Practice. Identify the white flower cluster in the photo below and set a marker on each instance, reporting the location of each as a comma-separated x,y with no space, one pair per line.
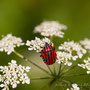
69,51
86,43
74,87
37,44
73,48
63,57
12,75
50,28
86,65
9,42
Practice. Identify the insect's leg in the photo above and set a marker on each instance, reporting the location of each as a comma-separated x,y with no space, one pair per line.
40,55
41,47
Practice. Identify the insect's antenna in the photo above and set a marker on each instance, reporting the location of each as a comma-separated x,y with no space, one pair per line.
51,44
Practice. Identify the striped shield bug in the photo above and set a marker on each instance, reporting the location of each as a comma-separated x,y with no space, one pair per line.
48,54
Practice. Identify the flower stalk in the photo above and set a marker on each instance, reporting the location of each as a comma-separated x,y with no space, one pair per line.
54,69
59,69
22,57
50,69
39,78
74,75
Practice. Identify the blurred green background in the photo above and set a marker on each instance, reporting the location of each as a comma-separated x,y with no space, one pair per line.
20,17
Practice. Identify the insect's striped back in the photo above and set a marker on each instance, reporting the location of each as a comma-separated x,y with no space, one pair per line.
49,54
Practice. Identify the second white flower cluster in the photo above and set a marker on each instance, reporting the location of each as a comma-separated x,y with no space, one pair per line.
13,74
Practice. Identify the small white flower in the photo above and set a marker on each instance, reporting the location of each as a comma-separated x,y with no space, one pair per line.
14,85
86,43
50,28
9,42
69,51
64,58
74,87
13,74
86,65
37,44
73,48
4,86
27,68
88,72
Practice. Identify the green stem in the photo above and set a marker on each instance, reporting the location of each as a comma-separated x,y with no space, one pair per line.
74,75
46,87
18,54
54,69
21,56
59,70
69,69
39,78
60,85
50,69
64,66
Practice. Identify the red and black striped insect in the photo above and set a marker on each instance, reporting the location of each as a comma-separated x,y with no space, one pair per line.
48,54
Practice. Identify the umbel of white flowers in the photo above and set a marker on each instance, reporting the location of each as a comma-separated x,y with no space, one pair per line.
86,43
86,65
74,87
13,74
37,44
50,28
65,55
9,42
69,51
